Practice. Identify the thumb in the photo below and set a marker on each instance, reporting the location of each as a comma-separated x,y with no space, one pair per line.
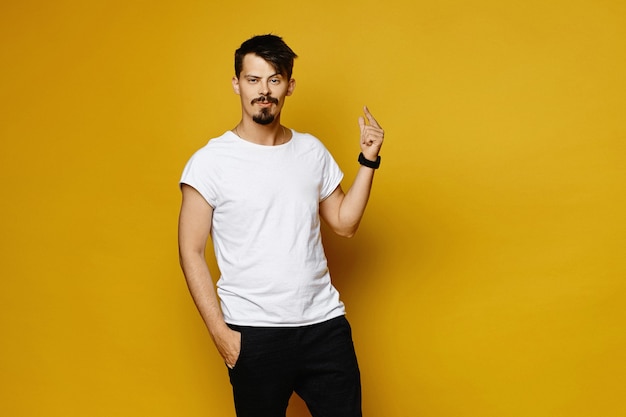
361,123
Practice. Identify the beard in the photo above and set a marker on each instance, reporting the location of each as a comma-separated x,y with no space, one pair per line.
264,117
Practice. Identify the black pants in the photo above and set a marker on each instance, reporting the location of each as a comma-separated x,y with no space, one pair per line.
318,362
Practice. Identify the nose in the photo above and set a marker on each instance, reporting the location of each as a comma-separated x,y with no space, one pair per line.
264,88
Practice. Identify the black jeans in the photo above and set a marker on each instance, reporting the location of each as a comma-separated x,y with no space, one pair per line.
318,362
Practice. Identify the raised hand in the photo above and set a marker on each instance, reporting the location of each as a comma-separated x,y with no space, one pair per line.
372,135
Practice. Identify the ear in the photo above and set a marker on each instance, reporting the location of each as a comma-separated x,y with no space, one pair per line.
292,86
235,82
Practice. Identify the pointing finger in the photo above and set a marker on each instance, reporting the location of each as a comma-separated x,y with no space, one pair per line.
370,118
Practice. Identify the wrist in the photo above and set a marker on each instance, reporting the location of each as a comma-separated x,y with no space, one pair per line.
370,163
218,328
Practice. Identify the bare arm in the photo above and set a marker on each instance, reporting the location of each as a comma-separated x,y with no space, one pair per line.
343,211
194,228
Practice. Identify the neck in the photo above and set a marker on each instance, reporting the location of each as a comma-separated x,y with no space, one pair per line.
272,134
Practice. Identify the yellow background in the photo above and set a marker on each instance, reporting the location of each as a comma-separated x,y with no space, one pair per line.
488,275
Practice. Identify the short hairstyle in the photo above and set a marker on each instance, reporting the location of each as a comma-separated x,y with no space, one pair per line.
272,49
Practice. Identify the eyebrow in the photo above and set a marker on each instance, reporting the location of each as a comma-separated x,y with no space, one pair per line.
278,74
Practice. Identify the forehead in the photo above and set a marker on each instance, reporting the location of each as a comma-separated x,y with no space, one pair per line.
255,65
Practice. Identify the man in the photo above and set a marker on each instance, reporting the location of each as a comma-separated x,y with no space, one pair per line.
259,191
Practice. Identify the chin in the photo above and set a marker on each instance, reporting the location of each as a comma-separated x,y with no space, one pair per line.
264,118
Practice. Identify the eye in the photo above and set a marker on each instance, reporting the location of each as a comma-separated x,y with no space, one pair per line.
252,80
275,81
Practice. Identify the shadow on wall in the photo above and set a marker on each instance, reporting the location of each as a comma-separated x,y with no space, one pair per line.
346,260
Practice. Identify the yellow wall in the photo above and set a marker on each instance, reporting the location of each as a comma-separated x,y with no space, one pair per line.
487,278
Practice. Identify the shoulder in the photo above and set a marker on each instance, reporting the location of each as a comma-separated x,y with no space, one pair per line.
307,140
215,145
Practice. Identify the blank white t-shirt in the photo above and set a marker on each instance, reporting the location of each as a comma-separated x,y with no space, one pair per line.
266,227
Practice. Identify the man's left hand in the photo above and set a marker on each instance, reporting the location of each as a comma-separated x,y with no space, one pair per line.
372,135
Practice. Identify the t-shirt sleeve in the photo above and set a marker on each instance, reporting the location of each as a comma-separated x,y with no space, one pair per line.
331,175
197,174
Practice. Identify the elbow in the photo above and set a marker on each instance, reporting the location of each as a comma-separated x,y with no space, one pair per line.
344,226
347,232
181,260
183,255
187,256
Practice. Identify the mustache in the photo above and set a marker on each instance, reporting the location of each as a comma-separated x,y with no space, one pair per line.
265,99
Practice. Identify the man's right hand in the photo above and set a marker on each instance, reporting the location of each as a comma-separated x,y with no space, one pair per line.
228,343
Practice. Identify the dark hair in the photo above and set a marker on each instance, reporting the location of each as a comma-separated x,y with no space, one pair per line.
271,48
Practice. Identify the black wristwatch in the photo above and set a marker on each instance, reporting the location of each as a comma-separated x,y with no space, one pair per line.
370,164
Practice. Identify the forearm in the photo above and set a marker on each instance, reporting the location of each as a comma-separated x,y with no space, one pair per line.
202,289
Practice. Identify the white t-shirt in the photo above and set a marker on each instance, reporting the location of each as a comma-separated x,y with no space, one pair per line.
266,227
